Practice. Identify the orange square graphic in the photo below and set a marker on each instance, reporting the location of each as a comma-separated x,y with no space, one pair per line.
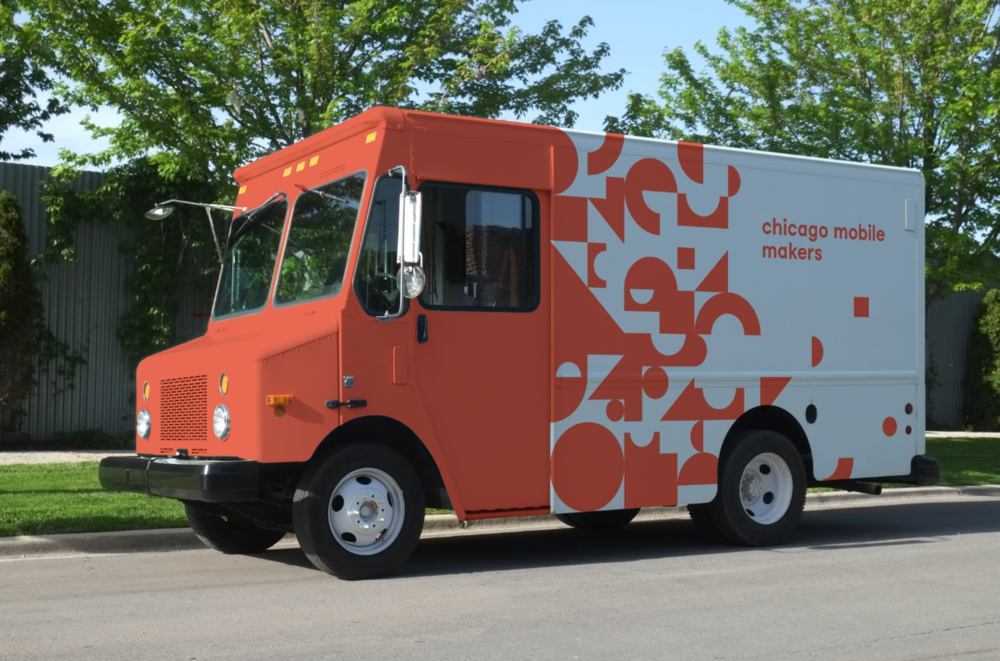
685,259
860,306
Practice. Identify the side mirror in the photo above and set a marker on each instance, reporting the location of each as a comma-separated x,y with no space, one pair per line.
410,211
411,274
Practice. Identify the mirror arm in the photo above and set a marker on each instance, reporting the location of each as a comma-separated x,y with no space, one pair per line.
208,212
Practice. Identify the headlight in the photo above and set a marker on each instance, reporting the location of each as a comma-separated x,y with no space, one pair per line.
220,421
143,423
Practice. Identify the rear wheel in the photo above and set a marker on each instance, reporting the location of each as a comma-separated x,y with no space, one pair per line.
762,489
604,521
358,513
228,531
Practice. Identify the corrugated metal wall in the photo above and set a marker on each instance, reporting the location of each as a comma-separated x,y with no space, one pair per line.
949,327
83,302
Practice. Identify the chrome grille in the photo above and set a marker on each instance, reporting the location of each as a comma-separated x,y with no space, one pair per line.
184,409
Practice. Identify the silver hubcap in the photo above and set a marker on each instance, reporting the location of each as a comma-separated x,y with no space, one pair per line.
366,511
766,488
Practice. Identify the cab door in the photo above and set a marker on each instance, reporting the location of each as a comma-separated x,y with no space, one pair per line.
481,361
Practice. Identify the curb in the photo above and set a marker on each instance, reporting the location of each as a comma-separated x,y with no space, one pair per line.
435,525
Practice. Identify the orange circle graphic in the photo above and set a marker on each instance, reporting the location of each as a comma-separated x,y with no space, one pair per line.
587,466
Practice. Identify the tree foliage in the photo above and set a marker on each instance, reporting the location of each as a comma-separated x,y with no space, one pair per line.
170,258
911,83
206,86
20,312
22,76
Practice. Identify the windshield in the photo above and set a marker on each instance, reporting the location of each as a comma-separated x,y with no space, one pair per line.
319,240
250,259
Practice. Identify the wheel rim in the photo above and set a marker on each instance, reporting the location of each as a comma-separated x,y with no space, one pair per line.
366,511
766,488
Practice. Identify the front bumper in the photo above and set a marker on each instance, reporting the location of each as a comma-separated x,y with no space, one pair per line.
206,480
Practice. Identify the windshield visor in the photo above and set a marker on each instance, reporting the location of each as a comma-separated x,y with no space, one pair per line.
319,241
250,259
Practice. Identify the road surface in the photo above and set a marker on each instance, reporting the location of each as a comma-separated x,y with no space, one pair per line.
908,581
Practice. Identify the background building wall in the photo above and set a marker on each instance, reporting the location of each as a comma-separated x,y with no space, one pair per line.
84,301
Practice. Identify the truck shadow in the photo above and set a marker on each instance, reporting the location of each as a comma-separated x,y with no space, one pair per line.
821,530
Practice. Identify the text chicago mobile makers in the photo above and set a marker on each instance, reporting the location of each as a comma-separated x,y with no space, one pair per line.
813,233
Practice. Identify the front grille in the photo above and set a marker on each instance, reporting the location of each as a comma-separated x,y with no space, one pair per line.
184,409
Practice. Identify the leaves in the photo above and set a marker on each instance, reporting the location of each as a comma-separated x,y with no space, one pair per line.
22,76
205,87
893,82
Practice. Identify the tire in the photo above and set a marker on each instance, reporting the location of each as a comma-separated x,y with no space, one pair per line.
229,532
359,512
606,521
762,490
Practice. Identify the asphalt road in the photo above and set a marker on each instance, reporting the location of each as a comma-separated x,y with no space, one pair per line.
903,581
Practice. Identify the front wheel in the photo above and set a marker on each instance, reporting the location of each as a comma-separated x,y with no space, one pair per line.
228,531
762,490
358,513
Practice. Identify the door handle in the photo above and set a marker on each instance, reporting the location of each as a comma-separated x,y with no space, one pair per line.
422,329
351,403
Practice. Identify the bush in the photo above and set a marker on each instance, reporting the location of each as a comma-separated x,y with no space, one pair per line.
981,401
20,313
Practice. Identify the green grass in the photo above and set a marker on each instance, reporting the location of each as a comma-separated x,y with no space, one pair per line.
966,461
57,498
43,499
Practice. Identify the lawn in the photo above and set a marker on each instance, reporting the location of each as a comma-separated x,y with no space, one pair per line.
42,499
966,461
56,498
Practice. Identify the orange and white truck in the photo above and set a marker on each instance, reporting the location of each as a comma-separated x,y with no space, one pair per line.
506,320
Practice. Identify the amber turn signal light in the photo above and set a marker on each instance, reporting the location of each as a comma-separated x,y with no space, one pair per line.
145,391
275,400
224,383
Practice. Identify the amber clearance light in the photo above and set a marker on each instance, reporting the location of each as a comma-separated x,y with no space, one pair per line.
276,400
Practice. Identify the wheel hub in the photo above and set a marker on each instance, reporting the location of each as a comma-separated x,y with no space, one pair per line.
365,511
766,488
368,512
752,487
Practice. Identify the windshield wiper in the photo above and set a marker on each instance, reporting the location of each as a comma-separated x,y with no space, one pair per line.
321,193
252,217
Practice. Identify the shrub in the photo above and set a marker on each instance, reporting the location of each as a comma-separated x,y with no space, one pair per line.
20,314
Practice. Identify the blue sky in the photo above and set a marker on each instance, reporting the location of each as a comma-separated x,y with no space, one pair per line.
638,31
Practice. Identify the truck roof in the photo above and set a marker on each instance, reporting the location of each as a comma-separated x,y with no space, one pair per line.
381,117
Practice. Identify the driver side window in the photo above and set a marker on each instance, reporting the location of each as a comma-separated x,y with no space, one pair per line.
375,279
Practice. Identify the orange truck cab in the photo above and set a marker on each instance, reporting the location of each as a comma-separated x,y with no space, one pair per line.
505,320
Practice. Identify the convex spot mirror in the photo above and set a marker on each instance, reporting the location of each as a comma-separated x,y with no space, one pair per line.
159,213
413,281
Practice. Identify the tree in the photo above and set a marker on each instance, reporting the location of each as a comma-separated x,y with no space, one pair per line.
21,76
894,82
206,86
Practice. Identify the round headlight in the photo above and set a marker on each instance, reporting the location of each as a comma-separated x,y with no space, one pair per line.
220,421
143,423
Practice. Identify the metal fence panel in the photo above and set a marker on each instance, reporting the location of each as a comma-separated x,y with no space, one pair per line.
83,302
949,328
